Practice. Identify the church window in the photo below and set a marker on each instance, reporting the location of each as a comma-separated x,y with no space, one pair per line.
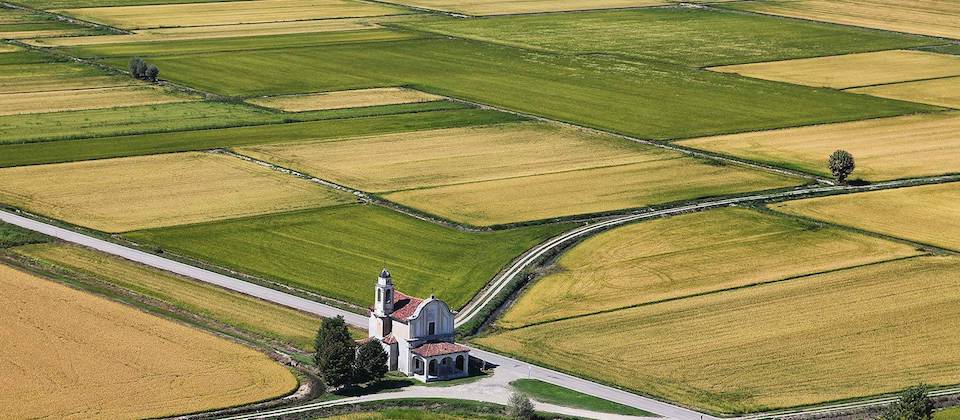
432,328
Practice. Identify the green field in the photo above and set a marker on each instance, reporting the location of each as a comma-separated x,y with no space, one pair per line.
652,100
552,394
173,117
107,147
686,36
948,414
23,57
338,251
11,236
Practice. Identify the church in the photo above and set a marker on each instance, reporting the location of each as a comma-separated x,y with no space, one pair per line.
417,334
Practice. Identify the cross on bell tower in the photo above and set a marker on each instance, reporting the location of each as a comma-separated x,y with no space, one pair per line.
384,305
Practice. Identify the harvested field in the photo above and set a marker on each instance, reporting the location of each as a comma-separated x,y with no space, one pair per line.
666,258
18,24
769,346
926,214
107,360
928,17
853,70
228,12
6,48
73,100
344,99
942,92
886,148
338,251
694,37
142,192
42,77
504,7
234,309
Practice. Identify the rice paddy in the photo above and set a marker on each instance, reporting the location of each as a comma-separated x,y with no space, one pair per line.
107,360
885,148
941,92
344,99
80,99
924,214
853,70
512,173
142,192
844,334
666,258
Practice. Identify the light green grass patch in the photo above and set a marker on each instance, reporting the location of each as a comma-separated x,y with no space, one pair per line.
552,394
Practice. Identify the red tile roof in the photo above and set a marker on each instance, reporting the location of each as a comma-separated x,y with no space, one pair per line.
439,349
390,339
403,306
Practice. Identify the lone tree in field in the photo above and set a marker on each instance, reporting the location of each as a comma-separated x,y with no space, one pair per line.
371,363
841,165
914,404
336,352
521,407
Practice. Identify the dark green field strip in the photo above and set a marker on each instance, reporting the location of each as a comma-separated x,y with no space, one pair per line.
656,101
943,49
694,37
165,118
11,236
108,147
22,57
338,251
251,43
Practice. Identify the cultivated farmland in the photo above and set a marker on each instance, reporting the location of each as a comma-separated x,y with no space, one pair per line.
73,100
338,251
885,148
929,17
688,255
924,214
28,78
111,361
485,176
852,70
344,99
234,309
17,24
503,7
229,12
769,346
942,92
142,192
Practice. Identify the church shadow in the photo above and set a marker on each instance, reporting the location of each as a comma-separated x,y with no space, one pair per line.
383,385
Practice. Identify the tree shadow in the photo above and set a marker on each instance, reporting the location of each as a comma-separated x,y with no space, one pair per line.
383,385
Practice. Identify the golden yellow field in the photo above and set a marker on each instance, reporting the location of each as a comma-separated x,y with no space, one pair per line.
687,255
513,172
56,76
850,333
853,70
117,195
72,100
943,92
886,148
68,354
234,309
928,17
926,214
344,99
228,12
504,7
5,48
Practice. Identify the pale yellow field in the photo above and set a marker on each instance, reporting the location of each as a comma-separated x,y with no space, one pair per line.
344,99
5,48
687,255
68,354
229,12
503,7
72,100
853,70
926,214
928,17
234,309
211,32
513,172
943,92
851,333
885,148
117,195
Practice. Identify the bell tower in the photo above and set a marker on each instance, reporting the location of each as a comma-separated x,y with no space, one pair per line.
384,302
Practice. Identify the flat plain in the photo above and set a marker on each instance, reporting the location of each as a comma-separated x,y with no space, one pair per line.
44,77
769,346
941,92
509,7
345,99
924,214
666,258
141,192
853,70
233,309
884,148
928,17
110,361
486,175
81,99
338,251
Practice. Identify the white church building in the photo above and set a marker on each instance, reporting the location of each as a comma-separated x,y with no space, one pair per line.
417,334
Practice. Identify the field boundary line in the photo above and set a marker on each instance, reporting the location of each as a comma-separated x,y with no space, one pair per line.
955,76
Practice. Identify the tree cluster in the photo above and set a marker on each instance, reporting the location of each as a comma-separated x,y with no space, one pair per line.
341,362
141,70
913,404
